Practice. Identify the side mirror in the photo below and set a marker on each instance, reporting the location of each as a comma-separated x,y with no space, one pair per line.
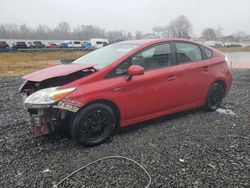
135,70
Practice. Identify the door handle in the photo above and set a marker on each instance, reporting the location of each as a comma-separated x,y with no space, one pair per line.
206,69
171,78
118,89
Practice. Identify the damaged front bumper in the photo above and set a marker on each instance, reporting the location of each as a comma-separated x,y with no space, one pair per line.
42,123
46,120
48,108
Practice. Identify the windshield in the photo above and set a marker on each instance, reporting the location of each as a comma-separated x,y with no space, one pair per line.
106,55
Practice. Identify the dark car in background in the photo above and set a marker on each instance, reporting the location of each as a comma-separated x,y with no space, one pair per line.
19,45
3,44
38,44
63,45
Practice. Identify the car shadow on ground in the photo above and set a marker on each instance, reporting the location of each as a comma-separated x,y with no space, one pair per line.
61,136
158,120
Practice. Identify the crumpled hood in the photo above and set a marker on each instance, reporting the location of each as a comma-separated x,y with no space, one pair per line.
55,71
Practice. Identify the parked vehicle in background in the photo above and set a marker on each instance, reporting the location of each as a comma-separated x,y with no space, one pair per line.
112,41
86,45
99,43
77,44
30,44
224,44
38,44
63,45
4,44
70,44
52,45
123,84
19,45
235,45
215,44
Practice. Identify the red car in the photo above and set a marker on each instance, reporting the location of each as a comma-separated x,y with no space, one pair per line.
3,44
125,83
52,45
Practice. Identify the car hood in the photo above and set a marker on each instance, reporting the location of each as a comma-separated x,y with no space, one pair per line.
55,71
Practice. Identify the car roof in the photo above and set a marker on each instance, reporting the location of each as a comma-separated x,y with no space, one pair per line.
154,41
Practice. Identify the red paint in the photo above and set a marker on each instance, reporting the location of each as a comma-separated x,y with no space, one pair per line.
55,71
155,93
135,70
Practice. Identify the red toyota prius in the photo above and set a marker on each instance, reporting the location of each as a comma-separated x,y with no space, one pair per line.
125,83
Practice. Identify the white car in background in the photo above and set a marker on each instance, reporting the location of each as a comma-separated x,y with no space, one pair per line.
74,44
99,43
77,44
216,44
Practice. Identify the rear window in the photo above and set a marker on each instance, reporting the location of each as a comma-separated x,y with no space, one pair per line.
76,42
98,42
37,42
187,52
208,53
21,43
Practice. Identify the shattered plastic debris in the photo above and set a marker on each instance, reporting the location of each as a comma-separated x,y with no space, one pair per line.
46,171
225,111
181,160
211,166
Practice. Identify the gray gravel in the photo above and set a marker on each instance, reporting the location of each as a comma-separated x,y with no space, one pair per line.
188,149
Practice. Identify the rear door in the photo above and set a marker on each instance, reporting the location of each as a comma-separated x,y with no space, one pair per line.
193,73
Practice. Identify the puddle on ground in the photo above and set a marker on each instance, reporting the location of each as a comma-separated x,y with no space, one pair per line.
225,111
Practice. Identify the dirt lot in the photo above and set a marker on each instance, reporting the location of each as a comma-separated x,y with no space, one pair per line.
13,64
189,149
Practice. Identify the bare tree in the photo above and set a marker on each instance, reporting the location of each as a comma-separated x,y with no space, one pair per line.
129,36
62,31
179,28
138,35
208,34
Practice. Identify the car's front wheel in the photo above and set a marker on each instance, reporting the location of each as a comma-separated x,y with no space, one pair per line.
93,125
214,97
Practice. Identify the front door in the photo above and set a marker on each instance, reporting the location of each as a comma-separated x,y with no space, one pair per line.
152,92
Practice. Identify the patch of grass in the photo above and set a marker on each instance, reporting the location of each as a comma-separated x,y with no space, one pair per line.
13,64
238,49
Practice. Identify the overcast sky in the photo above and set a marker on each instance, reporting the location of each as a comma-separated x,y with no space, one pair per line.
129,15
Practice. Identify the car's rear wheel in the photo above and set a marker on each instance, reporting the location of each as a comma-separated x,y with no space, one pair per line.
214,97
93,125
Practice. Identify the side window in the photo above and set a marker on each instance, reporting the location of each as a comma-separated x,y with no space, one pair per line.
120,70
154,57
187,52
207,52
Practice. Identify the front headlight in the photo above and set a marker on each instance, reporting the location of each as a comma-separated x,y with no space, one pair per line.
44,98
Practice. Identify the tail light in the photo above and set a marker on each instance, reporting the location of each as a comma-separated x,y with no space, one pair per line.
229,63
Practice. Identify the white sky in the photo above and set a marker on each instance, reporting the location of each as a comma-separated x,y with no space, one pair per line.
129,15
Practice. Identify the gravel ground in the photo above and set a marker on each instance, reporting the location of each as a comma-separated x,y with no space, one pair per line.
188,149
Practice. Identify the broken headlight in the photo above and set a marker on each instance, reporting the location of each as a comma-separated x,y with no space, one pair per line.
44,98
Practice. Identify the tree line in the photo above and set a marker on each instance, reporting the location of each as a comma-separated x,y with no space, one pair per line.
179,27
62,31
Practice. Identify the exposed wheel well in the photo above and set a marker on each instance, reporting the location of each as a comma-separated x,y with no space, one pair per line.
109,103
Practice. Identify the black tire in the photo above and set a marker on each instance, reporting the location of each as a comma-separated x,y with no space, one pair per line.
214,97
93,125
